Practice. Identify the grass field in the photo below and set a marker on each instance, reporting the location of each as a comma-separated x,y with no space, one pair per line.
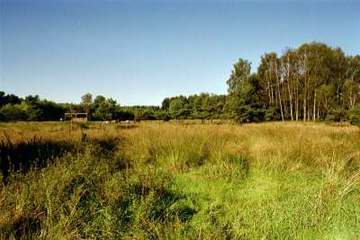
184,180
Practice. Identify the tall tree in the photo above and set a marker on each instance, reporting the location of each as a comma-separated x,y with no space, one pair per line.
239,74
86,102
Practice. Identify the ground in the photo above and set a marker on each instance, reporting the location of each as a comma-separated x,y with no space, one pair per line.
179,180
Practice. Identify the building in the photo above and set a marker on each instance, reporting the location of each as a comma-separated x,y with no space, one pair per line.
76,117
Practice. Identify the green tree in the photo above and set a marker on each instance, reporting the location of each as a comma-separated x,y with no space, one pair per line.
165,104
105,109
178,108
98,100
8,99
13,112
248,107
240,73
237,87
86,102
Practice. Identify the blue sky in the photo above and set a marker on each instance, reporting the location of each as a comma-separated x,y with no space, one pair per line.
139,52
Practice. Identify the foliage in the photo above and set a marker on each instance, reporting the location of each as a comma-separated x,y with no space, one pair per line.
13,112
354,115
32,109
105,109
8,99
310,83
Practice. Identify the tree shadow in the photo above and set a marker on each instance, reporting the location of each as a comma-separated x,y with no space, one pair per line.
33,153
21,228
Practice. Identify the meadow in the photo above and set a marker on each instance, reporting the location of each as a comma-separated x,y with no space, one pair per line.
179,180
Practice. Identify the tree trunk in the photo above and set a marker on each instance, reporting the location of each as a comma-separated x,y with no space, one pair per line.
304,105
314,112
290,102
279,94
297,101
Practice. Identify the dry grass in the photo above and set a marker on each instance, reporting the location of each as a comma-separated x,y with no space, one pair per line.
181,180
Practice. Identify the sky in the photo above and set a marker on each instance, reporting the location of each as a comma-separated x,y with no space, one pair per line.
139,52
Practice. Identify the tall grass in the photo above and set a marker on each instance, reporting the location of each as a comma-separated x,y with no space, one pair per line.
183,181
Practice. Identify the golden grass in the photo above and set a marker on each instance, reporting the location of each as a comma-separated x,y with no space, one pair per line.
186,180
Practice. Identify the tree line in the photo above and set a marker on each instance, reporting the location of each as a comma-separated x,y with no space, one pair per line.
310,83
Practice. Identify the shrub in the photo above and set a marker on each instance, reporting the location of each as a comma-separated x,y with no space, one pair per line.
336,114
354,115
272,114
247,113
13,112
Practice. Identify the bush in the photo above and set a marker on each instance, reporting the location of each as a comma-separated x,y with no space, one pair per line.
162,115
272,114
336,114
13,112
354,115
123,115
2,117
247,113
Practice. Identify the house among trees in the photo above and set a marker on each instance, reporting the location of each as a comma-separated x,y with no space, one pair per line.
76,117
